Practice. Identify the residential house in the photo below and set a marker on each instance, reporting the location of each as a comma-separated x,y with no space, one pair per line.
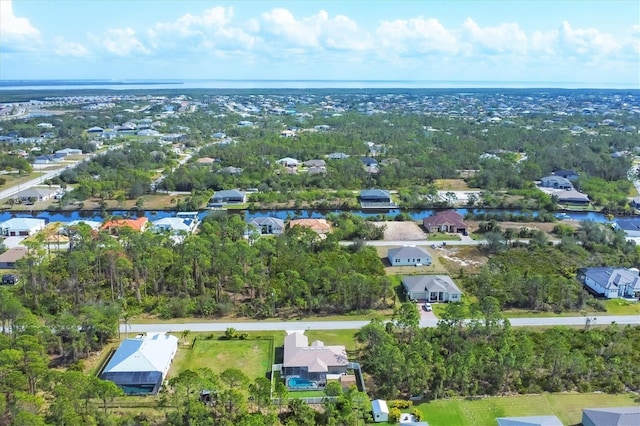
114,226
635,202
174,225
408,256
612,416
315,163
556,182
376,198
9,259
288,162
229,196
369,162
68,151
611,282
141,364
380,410
219,135
35,194
21,226
529,421
631,227
337,156
431,288
95,130
310,366
319,226
445,221
46,159
566,174
267,225
231,170
205,161
571,196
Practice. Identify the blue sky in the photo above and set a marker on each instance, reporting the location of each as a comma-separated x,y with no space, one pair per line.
593,42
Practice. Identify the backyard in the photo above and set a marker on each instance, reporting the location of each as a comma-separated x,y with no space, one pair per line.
568,407
253,356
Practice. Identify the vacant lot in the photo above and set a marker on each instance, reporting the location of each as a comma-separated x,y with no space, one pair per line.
568,407
254,357
402,231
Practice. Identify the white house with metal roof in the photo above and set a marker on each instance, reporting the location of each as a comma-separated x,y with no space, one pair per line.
21,226
140,364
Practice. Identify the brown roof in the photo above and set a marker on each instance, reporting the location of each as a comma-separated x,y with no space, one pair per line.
317,357
321,226
447,217
13,254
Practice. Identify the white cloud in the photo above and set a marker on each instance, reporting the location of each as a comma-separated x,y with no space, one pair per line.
416,36
583,42
504,38
318,31
123,42
17,34
210,31
62,47
11,25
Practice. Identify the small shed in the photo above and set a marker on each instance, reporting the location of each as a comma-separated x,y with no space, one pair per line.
380,410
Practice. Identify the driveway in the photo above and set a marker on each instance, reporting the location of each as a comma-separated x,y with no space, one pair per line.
424,315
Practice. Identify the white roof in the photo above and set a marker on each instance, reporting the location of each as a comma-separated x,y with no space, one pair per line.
150,353
22,223
379,406
529,421
175,223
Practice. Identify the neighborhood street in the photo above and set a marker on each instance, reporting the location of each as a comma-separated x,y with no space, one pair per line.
353,325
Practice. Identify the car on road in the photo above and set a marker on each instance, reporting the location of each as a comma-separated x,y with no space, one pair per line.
427,307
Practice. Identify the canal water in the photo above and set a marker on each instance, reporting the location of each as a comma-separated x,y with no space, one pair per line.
417,215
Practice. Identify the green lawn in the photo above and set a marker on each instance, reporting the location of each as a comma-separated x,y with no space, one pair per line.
568,407
622,307
253,357
443,237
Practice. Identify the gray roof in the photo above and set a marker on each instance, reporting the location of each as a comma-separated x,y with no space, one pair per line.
571,195
375,193
228,193
408,252
35,193
415,283
529,421
615,416
261,221
558,180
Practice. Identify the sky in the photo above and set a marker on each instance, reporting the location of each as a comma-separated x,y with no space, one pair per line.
592,42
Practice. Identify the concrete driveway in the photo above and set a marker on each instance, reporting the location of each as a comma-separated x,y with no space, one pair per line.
424,315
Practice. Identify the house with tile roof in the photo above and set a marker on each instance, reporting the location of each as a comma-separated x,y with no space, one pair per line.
114,226
310,366
445,221
320,226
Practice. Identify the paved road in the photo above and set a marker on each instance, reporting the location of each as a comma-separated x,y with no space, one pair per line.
353,325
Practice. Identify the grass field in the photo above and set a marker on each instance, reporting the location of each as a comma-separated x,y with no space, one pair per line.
452,184
253,357
568,408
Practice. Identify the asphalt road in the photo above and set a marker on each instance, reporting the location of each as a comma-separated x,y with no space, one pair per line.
353,325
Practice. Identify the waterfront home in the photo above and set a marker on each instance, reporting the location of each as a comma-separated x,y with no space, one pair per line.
445,221
266,225
319,226
114,226
229,196
21,227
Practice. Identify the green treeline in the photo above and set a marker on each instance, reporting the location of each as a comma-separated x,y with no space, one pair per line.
488,357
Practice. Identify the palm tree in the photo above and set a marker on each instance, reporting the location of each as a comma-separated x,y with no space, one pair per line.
185,335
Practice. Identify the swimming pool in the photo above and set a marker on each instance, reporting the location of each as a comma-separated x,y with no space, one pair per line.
300,383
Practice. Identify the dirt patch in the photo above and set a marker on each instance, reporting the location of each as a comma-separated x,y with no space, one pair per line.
472,225
402,231
467,257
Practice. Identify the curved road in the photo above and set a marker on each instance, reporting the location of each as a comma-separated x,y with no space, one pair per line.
354,325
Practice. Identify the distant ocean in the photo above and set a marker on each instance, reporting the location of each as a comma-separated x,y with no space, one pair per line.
297,84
